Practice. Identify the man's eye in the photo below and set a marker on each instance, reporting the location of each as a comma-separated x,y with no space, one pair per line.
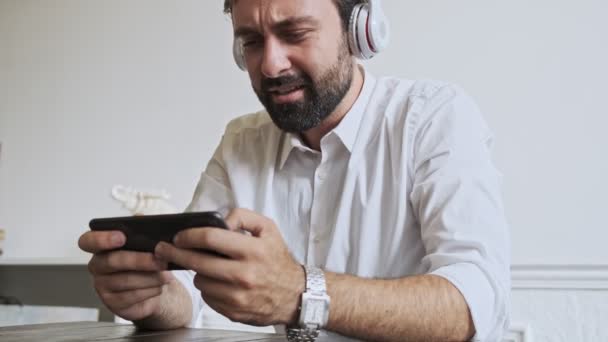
295,36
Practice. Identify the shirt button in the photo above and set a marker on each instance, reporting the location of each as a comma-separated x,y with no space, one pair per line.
316,239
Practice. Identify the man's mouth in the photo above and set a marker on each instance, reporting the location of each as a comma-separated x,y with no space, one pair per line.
286,93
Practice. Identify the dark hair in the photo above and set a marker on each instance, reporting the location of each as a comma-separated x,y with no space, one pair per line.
345,8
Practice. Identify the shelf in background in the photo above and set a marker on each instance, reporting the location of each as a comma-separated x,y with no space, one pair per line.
75,261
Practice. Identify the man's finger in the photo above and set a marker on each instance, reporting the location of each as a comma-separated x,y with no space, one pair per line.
213,288
217,294
248,220
200,262
96,242
140,310
126,299
229,243
127,281
221,290
120,261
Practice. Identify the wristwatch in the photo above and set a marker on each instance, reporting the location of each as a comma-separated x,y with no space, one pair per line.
314,311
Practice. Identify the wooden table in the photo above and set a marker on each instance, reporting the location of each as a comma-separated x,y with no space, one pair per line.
103,331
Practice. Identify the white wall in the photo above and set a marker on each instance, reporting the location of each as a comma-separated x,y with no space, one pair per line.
97,93
538,71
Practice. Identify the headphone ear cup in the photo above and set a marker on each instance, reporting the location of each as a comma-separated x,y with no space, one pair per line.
239,56
353,42
378,28
358,40
363,34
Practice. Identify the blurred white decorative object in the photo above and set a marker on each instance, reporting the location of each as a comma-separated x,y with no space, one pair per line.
155,202
19,315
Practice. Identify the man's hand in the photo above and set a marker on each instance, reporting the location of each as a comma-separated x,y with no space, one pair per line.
257,283
130,284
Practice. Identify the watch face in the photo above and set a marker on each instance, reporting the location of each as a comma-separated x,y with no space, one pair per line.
315,311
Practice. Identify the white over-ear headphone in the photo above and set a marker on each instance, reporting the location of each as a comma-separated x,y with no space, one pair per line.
239,54
368,33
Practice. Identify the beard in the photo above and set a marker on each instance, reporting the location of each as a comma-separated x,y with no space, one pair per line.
320,97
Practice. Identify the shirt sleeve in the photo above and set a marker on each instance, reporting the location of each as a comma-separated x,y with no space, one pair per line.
213,193
456,195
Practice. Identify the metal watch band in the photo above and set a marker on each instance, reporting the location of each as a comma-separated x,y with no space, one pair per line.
316,292
315,280
302,335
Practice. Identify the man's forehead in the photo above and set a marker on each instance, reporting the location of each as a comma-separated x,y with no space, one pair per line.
252,13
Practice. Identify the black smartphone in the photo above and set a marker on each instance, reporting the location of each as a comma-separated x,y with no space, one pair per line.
144,232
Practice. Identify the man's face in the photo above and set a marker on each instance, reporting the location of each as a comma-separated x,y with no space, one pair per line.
297,58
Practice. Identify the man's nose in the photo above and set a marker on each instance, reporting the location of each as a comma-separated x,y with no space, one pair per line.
275,60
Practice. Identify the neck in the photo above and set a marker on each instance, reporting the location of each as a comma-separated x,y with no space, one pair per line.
313,136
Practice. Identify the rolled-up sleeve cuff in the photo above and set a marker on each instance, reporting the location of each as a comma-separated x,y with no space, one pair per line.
486,302
186,278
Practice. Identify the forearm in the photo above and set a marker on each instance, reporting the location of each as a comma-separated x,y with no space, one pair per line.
417,308
175,309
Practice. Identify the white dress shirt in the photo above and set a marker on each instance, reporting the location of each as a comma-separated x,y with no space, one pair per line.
403,186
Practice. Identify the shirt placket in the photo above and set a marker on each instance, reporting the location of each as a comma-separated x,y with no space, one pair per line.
318,211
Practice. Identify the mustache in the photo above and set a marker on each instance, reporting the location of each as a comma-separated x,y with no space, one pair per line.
288,80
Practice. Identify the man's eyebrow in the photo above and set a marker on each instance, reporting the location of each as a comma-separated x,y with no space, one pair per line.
295,21
281,25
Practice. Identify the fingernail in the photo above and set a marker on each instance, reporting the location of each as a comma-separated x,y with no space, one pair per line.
176,239
117,239
159,249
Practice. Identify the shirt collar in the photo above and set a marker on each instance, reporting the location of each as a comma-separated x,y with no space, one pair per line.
290,142
346,130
